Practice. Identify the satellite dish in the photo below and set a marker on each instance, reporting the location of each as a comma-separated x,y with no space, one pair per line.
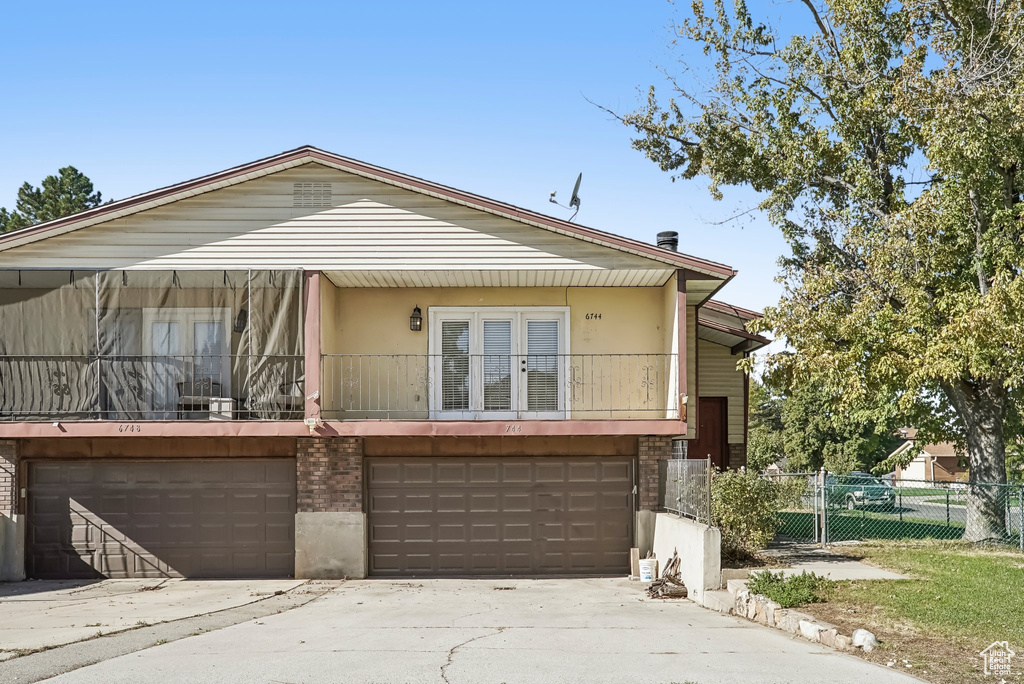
574,203
575,200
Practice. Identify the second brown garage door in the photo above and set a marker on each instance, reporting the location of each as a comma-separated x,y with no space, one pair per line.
177,518
499,516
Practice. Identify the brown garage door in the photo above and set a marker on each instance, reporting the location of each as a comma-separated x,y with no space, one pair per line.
499,516
183,518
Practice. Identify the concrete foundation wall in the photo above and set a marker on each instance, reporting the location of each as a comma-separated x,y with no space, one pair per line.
12,548
330,545
700,552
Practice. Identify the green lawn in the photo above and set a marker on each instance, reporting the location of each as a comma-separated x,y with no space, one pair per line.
958,590
958,600
862,524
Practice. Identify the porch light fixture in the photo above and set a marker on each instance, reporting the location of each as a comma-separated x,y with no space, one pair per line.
416,320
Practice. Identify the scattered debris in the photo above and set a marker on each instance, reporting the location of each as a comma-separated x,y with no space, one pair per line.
503,588
670,584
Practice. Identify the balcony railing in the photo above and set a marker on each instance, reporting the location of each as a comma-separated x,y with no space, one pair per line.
498,386
158,387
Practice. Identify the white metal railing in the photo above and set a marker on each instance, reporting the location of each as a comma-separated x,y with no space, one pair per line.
497,386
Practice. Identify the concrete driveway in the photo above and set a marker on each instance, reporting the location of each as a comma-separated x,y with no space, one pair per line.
462,631
44,614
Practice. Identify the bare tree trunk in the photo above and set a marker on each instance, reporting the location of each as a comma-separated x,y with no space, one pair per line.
982,408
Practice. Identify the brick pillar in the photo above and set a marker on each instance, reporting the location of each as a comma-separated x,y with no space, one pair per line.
653,450
737,456
329,476
8,477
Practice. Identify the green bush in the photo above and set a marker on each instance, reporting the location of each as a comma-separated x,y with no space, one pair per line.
745,508
791,591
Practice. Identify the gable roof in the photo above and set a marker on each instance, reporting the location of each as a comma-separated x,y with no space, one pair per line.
308,154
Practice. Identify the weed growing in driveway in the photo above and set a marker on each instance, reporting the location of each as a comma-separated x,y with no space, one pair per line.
791,591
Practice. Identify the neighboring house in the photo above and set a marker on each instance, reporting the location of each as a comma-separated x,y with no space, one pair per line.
935,462
311,366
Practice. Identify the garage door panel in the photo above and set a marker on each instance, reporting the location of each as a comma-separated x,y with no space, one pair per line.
512,473
190,518
523,516
616,472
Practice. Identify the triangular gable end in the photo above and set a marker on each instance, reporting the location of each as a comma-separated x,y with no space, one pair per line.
311,211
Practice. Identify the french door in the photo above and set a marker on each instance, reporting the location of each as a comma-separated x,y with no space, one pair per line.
187,350
498,362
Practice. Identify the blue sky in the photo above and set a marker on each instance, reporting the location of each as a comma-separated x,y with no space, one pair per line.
486,97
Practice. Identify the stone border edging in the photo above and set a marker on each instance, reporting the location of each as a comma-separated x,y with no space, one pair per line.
762,610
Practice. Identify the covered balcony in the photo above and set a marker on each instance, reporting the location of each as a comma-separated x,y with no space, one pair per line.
151,345
461,386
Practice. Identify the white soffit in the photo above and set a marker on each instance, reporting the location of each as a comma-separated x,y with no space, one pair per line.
469,277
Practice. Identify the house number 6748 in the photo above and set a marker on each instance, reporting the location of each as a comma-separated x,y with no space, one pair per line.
129,427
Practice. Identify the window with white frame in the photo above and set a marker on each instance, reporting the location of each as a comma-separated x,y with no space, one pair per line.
498,362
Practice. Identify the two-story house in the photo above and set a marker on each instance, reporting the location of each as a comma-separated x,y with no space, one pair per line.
311,366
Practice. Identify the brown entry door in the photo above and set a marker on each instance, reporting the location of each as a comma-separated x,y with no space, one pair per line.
499,516
180,518
712,439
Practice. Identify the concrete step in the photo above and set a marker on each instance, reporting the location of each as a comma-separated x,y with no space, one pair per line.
718,600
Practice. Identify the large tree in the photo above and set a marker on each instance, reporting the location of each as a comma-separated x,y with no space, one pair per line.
798,423
887,141
69,192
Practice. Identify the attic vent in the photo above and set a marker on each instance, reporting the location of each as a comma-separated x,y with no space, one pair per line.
311,195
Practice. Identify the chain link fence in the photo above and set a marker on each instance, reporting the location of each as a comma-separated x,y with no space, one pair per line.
688,488
827,508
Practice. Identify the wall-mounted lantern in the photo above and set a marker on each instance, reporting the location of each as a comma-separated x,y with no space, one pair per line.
416,320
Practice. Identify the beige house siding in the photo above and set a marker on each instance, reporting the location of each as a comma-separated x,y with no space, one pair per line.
376,321
369,230
718,377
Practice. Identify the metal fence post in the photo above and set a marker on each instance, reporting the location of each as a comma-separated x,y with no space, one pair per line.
814,517
1020,515
824,508
708,509
901,503
947,507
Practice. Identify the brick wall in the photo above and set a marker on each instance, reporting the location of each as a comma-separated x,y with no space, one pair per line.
653,451
8,476
329,475
737,456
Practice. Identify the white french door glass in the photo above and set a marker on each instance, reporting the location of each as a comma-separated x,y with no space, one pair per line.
188,350
455,376
165,348
209,345
543,366
497,363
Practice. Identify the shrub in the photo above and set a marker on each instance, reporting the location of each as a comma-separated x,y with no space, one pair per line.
745,508
791,591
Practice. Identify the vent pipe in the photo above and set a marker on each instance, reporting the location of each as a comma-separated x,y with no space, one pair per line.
669,240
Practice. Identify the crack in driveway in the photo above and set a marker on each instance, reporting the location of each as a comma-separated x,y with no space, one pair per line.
451,651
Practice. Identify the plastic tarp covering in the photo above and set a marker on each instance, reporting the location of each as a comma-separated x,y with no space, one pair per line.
151,345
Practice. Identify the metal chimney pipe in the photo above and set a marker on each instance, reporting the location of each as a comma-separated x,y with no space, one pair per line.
669,239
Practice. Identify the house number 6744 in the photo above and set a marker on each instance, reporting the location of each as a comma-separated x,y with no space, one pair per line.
593,316
513,428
